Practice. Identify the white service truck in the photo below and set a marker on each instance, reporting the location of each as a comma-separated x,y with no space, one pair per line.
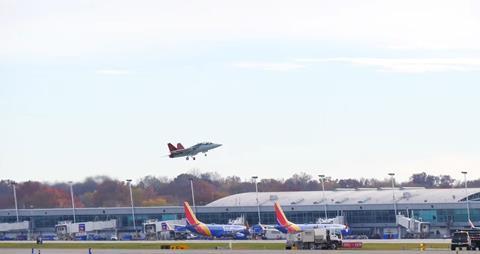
314,239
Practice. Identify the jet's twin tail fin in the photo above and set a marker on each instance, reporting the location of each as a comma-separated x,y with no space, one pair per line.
171,147
191,218
180,146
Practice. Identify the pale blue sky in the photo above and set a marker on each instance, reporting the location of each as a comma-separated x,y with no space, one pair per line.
343,88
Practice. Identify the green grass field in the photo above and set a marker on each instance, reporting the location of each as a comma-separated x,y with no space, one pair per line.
133,245
207,245
403,246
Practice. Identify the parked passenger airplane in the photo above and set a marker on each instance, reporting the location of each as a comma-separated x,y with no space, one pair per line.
285,226
180,151
212,230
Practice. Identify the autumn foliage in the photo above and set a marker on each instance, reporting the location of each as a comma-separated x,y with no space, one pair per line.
102,191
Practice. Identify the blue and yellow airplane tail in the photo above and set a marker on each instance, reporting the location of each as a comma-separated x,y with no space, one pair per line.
192,220
283,221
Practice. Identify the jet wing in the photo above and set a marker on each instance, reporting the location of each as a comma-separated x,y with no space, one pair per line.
185,152
193,150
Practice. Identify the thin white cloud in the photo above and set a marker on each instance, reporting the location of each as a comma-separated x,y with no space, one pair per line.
59,28
113,72
269,66
405,65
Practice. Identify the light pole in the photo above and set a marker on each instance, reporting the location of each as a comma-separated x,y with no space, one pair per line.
466,196
393,192
322,178
73,203
258,204
15,198
193,195
129,181
392,175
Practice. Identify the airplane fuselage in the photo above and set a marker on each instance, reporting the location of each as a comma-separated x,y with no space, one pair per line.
286,226
212,230
193,150
218,230
296,228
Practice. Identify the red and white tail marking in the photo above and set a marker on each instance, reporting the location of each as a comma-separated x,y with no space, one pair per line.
180,146
171,147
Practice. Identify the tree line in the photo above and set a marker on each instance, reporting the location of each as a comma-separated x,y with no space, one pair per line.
104,191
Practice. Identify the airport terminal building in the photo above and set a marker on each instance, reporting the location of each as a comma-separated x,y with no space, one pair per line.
369,212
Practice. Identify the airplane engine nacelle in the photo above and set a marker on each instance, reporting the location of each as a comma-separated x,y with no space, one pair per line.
239,235
346,231
258,229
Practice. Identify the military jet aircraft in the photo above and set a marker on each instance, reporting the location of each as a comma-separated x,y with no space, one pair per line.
180,151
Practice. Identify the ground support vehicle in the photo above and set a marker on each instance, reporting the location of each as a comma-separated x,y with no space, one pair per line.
314,239
468,239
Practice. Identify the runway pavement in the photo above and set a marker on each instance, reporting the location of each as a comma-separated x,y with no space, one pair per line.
85,251
243,241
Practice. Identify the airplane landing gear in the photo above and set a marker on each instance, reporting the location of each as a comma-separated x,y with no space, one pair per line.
193,158
205,154
187,158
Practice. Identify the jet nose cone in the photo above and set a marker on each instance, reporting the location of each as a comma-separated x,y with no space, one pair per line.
218,145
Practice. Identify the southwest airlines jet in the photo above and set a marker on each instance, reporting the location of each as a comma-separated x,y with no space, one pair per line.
285,226
212,230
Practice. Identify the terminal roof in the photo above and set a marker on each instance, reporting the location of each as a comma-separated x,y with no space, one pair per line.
350,197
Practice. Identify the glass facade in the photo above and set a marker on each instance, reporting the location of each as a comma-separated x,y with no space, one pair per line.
122,220
266,217
446,215
370,216
360,217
